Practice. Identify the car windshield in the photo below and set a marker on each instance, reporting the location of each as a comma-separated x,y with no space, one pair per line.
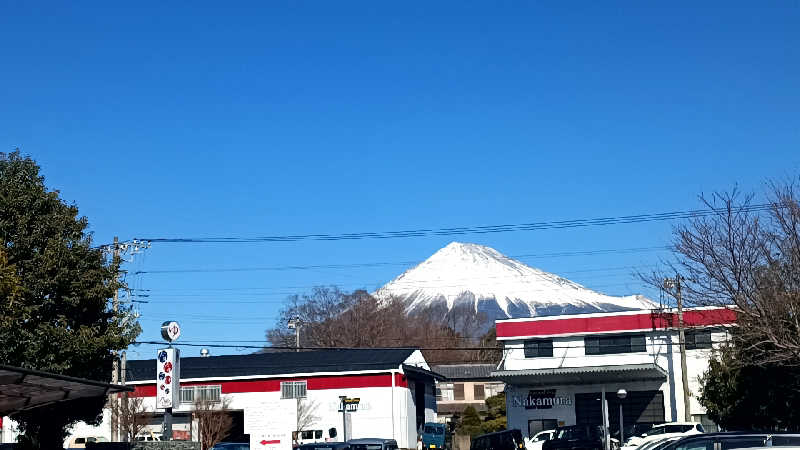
433,430
664,443
577,432
677,428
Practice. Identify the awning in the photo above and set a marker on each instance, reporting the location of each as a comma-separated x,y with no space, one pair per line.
23,389
583,375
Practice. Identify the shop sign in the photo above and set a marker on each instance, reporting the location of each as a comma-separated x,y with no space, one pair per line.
540,399
168,376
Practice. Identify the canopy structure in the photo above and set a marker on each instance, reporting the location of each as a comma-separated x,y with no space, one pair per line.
583,375
24,389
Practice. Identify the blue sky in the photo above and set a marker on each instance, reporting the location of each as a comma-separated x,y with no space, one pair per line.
272,118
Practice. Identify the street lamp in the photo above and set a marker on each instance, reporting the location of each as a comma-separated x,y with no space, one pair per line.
294,324
621,394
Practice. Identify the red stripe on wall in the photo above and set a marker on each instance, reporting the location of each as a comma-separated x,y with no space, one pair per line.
274,384
603,324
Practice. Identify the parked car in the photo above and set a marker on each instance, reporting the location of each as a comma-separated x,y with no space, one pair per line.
733,440
672,428
662,441
433,435
659,445
325,446
372,444
501,440
576,437
536,441
81,441
231,446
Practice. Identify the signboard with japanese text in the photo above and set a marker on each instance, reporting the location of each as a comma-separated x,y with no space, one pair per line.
270,425
168,384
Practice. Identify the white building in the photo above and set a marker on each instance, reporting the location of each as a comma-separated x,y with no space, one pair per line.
555,368
395,388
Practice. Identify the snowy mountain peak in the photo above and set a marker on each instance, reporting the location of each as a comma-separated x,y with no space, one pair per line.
498,286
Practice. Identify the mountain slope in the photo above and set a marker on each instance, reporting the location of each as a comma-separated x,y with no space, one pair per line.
463,274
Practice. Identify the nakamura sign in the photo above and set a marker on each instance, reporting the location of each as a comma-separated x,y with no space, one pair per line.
168,383
540,399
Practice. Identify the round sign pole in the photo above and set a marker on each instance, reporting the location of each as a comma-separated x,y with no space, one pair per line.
171,331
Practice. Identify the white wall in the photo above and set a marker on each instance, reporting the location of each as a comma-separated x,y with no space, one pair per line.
662,349
374,417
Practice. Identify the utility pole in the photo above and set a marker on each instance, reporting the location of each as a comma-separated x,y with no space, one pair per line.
124,409
117,249
115,435
676,283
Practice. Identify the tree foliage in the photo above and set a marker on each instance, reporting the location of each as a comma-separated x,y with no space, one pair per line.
214,421
54,310
745,255
332,318
131,413
753,397
470,422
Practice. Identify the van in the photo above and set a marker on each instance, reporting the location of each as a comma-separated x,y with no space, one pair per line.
433,435
501,440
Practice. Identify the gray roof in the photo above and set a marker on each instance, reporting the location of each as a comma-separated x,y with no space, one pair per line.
465,371
278,363
584,375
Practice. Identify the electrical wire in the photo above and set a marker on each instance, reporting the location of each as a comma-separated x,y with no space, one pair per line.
394,263
484,229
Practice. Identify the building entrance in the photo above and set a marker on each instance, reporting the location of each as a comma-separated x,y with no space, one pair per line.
639,409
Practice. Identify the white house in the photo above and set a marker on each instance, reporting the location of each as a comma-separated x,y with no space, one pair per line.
395,388
555,368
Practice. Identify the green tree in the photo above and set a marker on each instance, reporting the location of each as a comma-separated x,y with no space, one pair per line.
495,414
54,311
470,422
750,397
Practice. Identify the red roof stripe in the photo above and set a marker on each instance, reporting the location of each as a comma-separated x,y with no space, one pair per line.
274,384
620,322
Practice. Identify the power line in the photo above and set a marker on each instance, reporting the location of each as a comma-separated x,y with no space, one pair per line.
433,348
485,229
395,263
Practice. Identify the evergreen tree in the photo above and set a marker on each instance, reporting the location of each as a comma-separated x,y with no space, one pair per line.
54,310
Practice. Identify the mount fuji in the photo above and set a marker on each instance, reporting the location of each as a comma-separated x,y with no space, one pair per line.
471,275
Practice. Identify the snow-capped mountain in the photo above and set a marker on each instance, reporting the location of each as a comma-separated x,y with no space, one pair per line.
463,274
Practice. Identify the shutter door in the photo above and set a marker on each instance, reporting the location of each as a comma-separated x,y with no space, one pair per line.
638,407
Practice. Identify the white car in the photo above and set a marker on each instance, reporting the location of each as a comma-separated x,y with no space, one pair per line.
660,442
538,439
665,430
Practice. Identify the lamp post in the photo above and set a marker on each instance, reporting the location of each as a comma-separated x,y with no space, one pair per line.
621,394
294,324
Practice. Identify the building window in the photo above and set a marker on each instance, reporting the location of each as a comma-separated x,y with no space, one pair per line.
444,392
606,345
210,393
478,392
293,389
697,339
458,391
539,348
